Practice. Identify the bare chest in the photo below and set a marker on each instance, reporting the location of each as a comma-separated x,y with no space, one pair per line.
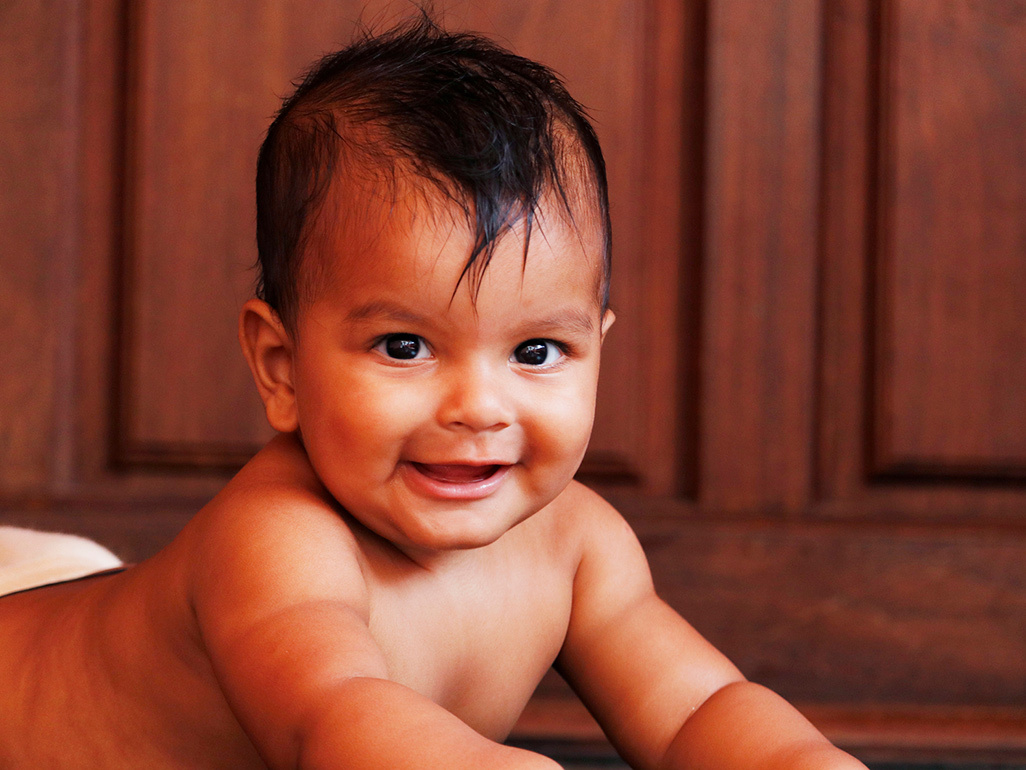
477,646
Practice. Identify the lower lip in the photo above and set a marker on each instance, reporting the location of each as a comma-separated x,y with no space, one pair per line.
452,490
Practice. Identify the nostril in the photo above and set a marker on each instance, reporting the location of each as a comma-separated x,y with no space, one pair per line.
478,424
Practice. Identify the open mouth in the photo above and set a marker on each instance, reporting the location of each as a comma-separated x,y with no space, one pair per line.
456,481
457,474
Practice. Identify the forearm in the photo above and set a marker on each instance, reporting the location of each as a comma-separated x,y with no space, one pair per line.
372,723
746,726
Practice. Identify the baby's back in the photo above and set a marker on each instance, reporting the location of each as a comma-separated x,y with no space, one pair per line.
110,672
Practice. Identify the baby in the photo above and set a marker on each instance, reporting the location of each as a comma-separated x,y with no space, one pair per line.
386,582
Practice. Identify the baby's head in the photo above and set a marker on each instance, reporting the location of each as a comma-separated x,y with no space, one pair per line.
434,245
490,131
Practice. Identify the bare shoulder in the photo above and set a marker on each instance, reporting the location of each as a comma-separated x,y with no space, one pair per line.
273,537
579,507
278,591
597,530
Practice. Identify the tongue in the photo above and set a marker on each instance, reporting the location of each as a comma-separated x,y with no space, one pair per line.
457,474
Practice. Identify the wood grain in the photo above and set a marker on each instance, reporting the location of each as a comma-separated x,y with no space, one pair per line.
759,274
38,236
951,336
866,360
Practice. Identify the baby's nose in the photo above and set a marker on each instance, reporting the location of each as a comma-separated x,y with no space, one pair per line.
477,399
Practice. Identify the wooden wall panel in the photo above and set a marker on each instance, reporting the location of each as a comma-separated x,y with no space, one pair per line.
606,68
900,643
766,160
198,104
895,438
39,70
760,250
951,340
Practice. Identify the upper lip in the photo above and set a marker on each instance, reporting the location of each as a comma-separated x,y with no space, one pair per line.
470,463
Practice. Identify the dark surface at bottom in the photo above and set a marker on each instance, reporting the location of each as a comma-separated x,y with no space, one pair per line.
616,764
596,755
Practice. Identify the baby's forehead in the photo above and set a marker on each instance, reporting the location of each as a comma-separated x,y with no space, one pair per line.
380,183
397,204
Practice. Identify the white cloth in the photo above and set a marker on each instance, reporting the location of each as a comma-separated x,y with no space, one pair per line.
29,558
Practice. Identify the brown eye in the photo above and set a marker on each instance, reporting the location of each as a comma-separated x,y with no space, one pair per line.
537,353
403,347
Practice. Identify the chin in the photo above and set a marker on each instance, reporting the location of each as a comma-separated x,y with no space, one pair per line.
466,533
462,540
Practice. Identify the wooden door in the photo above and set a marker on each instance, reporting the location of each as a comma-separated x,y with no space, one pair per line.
812,402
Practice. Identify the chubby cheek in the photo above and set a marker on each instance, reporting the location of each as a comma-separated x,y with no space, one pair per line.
559,432
377,420
346,422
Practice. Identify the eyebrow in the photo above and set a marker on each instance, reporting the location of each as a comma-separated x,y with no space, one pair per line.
383,309
570,319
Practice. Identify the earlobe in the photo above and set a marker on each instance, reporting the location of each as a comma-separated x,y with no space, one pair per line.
607,320
269,352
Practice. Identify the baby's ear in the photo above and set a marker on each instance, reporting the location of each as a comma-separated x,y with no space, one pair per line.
607,320
268,349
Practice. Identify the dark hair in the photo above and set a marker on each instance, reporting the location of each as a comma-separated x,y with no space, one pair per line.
493,131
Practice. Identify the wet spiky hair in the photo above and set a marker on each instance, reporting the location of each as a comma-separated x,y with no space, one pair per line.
493,131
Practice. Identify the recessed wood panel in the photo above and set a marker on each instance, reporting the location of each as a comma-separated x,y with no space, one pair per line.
951,322
866,467
758,287
199,101
38,235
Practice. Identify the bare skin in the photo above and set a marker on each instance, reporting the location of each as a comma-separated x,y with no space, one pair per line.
386,582
152,690
137,664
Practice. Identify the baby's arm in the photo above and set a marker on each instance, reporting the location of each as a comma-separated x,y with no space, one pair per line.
665,696
283,613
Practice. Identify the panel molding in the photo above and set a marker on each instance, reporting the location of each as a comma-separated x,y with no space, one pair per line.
890,462
646,456
857,470
129,452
